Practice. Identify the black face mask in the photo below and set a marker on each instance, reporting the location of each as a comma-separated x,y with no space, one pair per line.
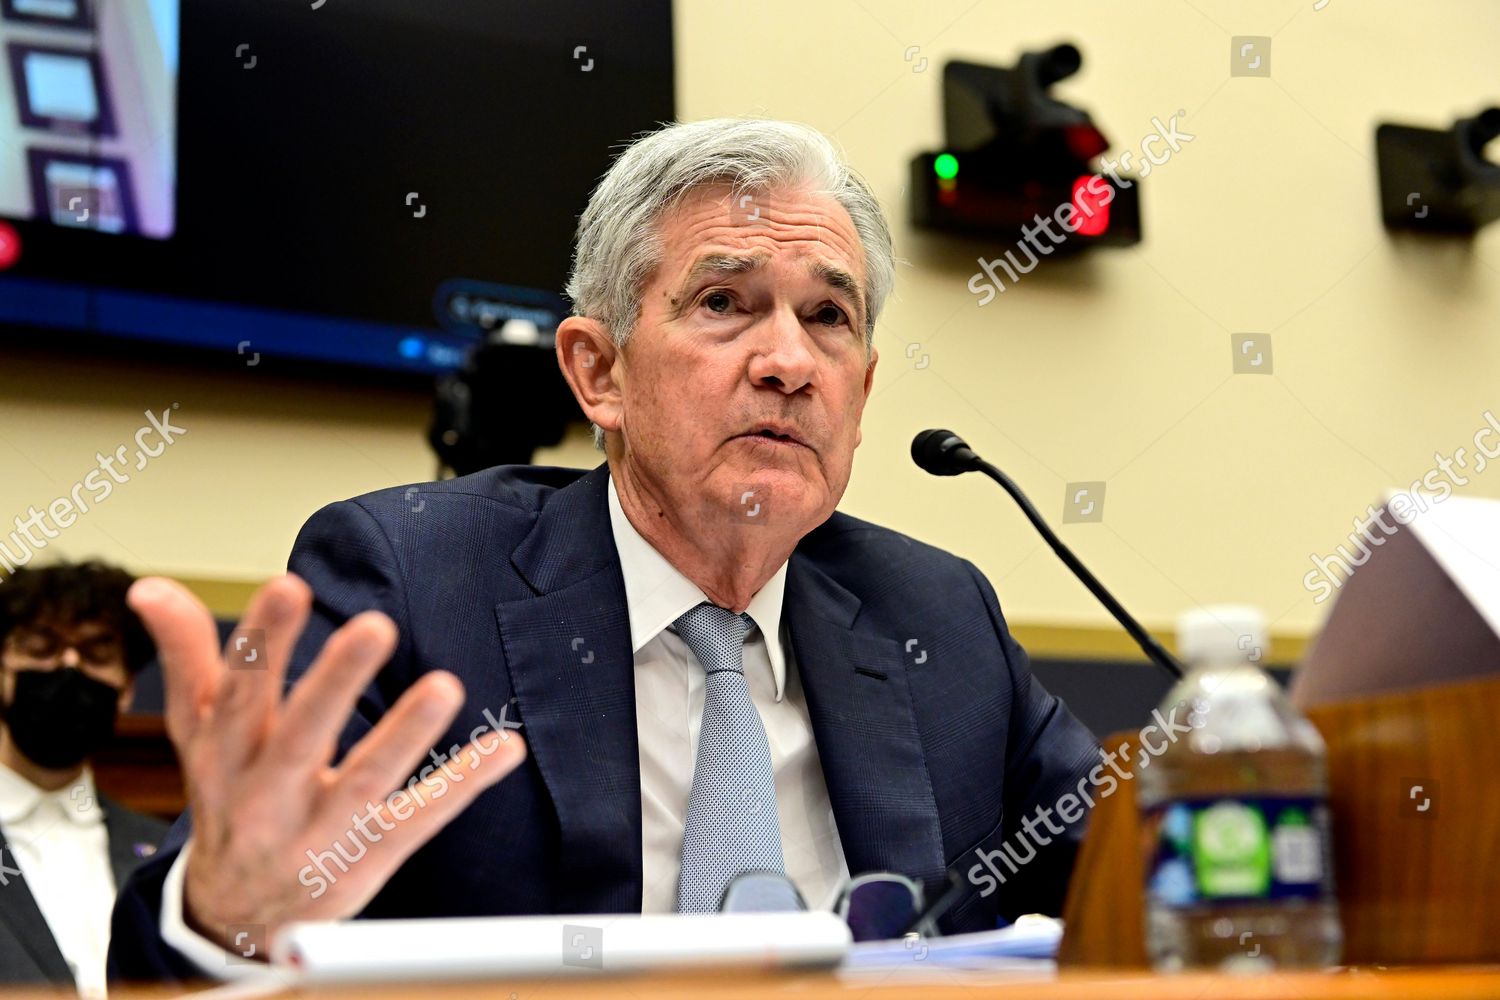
57,718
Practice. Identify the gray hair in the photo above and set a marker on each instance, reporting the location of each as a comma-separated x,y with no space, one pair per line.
618,243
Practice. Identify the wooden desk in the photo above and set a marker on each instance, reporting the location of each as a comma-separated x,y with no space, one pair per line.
1447,984
1437,983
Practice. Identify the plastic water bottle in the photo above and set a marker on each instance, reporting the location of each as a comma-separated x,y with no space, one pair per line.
1239,867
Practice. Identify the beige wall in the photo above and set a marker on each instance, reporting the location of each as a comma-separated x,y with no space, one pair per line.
1112,367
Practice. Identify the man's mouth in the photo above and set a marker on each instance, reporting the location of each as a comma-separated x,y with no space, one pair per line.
774,436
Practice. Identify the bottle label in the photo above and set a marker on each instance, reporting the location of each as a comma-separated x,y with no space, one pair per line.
1240,849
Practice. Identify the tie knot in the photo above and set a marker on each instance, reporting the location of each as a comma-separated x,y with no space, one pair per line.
715,635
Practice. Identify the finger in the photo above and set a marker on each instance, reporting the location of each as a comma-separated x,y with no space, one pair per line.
411,816
257,655
187,645
474,768
448,790
391,752
319,706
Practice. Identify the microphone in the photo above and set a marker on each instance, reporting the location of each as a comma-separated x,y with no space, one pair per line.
944,453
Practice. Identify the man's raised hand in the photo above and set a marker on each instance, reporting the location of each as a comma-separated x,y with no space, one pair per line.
264,793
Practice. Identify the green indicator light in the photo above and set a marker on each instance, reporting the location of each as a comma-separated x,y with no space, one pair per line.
946,166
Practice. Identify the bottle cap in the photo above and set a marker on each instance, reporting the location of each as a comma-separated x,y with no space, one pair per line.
1222,633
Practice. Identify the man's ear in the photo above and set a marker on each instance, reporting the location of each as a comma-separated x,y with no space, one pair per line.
594,368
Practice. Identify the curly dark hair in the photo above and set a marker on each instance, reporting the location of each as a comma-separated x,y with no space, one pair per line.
71,594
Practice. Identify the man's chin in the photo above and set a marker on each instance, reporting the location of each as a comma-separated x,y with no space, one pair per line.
786,497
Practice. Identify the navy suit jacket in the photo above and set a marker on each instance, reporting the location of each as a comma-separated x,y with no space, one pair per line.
935,741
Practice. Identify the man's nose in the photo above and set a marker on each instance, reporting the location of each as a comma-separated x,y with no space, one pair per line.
69,657
784,359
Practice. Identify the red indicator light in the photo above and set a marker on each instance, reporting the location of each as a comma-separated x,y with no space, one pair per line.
10,245
1091,204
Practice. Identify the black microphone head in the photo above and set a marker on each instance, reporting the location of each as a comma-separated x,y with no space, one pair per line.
942,453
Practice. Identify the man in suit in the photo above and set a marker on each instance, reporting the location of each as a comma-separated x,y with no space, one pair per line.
683,664
69,652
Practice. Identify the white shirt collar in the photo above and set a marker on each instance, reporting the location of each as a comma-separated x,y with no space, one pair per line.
77,800
657,593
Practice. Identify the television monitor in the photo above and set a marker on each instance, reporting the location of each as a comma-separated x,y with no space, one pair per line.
372,185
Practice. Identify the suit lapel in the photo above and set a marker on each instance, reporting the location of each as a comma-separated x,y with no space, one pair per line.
19,913
573,676
866,730
131,840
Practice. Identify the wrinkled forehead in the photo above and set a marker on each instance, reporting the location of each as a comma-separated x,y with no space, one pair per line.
800,217
716,230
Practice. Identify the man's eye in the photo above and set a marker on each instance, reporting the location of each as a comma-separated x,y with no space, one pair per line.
712,297
831,315
104,651
37,644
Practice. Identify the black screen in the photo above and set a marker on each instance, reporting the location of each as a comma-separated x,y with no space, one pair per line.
366,182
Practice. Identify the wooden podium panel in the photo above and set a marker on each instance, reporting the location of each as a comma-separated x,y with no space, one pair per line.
1104,919
1415,798
1415,883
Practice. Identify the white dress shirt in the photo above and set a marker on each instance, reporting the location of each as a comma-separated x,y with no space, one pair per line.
60,843
669,685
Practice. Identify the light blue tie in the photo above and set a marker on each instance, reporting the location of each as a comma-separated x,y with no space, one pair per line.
731,823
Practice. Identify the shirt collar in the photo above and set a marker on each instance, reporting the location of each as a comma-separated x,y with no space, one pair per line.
78,800
657,594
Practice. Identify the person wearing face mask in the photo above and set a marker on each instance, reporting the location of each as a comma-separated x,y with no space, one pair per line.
69,653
